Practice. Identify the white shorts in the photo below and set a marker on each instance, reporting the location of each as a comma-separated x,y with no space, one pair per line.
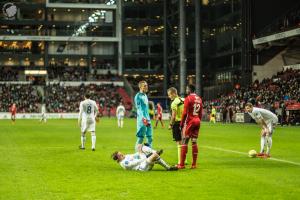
147,150
120,117
88,125
146,165
271,127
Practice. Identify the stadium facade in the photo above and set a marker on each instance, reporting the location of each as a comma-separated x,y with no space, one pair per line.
171,43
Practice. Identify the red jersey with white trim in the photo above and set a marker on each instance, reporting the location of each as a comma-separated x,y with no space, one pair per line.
192,109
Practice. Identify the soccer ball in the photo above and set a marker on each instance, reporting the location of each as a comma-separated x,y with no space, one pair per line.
252,153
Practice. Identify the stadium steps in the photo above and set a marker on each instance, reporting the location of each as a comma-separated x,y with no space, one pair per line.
126,98
270,68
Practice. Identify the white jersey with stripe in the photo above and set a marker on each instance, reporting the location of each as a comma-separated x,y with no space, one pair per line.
266,115
88,109
133,161
43,108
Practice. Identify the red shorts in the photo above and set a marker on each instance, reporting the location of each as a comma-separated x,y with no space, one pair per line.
191,128
13,113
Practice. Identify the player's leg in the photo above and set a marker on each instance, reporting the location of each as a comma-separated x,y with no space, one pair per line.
93,134
119,125
122,121
82,139
263,142
269,139
184,150
161,121
194,135
149,135
140,136
92,129
155,158
13,118
177,138
83,134
156,122
194,152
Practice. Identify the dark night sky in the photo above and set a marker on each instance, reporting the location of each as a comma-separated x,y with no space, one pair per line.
266,11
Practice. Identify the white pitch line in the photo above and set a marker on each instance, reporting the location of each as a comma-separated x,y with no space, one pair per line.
243,153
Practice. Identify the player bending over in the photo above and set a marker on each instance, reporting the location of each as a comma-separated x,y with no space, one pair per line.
88,111
143,160
190,125
268,120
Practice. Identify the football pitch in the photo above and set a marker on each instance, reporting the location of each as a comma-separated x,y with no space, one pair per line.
42,161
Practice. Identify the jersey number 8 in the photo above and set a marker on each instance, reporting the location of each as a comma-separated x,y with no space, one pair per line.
89,109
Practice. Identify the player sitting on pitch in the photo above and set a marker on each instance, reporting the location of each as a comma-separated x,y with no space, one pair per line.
143,160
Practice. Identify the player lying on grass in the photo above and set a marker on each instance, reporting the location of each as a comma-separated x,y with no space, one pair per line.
268,121
143,160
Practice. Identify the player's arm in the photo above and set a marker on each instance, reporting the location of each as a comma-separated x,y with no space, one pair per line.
139,110
261,121
96,111
200,111
173,114
118,108
138,106
80,114
184,113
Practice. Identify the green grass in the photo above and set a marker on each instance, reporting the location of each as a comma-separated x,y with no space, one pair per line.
42,161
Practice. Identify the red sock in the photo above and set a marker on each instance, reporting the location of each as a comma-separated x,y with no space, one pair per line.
195,153
184,149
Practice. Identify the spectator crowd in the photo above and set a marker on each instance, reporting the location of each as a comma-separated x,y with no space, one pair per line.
273,94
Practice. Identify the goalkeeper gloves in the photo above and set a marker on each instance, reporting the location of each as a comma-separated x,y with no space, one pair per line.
145,122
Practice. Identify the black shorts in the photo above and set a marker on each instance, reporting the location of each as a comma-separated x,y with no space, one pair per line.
176,131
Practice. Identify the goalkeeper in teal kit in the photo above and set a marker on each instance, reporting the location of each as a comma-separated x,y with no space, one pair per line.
143,118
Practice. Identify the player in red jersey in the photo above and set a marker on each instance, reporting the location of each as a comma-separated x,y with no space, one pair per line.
159,115
190,125
13,111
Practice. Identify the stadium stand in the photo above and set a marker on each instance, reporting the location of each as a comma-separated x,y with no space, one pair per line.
274,94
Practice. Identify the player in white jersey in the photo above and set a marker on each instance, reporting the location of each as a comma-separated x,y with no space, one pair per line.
120,112
88,111
268,120
43,112
143,160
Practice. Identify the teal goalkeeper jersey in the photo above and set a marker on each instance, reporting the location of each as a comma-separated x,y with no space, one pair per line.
142,107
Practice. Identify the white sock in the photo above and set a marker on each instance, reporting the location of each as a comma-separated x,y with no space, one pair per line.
262,143
162,163
269,145
122,123
93,141
82,141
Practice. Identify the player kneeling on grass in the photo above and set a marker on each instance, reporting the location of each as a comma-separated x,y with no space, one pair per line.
143,160
88,111
268,120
